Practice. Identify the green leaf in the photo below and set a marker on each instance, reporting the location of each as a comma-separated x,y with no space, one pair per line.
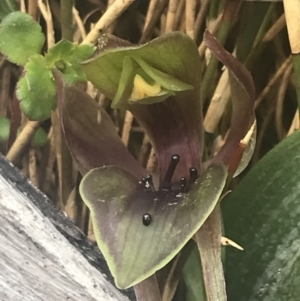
6,7
168,60
66,56
40,137
4,129
61,51
20,37
83,52
118,202
167,81
36,90
262,214
126,81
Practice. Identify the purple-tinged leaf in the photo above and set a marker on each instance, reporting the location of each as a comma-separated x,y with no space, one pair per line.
93,141
242,94
136,247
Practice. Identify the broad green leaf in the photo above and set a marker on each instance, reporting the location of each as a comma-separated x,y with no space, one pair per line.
118,202
20,37
36,90
167,60
4,129
262,214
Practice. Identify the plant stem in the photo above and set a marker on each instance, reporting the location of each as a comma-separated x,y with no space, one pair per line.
157,14
147,290
66,18
64,160
23,140
208,240
292,13
253,29
63,156
32,8
190,15
112,13
296,63
222,34
127,127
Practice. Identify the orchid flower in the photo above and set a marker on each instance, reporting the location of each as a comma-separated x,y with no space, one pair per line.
140,225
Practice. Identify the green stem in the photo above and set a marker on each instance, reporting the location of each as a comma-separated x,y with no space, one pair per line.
253,30
63,156
66,18
296,65
265,24
221,36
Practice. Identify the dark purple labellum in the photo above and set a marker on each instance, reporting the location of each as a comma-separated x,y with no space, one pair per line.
147,219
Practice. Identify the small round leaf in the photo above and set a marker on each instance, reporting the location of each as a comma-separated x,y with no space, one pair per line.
20,37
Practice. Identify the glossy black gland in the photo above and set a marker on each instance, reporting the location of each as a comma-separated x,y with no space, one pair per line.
193,175
183,183
147,178
175,159
166,184
147,219
148,183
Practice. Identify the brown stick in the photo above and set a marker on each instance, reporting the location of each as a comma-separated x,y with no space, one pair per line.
23,140
127,127
190,12
112,13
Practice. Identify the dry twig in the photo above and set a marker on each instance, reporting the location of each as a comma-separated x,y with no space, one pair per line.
112,13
